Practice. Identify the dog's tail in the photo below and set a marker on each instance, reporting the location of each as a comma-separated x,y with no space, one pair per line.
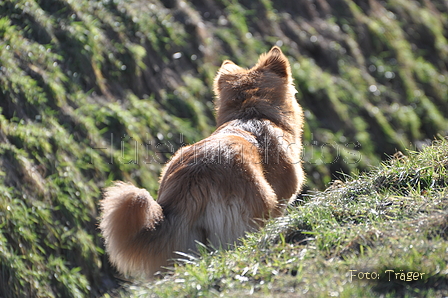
131,219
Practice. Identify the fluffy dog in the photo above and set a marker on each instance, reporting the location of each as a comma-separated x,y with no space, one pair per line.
217,189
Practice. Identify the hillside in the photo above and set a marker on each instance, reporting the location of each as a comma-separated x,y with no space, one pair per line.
379,234
94,91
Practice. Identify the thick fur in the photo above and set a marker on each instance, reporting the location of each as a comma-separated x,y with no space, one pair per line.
218,189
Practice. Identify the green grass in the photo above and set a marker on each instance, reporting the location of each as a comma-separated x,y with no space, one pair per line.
95,91
390,223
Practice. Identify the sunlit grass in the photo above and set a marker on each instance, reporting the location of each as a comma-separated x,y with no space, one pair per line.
90,91
385,223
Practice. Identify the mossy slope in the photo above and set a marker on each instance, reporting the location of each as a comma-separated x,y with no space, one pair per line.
93,91
382,233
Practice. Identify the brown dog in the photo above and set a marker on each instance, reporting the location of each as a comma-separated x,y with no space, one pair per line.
218,189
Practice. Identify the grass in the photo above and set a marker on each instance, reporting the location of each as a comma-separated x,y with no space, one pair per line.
95,91
379,233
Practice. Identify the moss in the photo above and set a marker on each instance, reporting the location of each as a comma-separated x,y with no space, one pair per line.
353,226
94,91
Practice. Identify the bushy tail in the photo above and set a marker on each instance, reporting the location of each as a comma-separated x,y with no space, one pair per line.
130,221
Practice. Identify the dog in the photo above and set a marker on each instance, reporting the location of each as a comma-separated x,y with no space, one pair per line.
218,189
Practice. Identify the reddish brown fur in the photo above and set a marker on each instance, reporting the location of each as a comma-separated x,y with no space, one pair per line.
218,189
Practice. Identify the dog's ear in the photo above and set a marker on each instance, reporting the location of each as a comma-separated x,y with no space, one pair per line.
228,67
276,62
225,74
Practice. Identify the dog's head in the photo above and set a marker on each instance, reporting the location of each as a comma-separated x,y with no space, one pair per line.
264,91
